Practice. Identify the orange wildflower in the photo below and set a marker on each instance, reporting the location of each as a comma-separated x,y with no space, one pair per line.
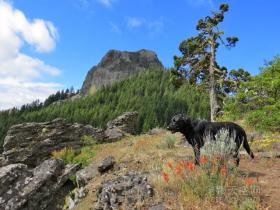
223,170
203,160
165,176
169,164
181,162
213,170
249,181
178,169
190,165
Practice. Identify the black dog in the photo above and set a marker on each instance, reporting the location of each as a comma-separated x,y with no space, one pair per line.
196,130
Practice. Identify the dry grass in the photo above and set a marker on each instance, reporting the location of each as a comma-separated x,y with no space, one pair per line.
143,153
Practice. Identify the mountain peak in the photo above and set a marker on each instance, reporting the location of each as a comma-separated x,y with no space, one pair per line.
117,65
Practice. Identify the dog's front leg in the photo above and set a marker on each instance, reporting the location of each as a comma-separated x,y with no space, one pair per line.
196,150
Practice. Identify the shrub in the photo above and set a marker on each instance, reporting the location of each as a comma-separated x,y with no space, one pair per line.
223,146
248,204
215,179
89,140
86,154
67,154
265,144
167,142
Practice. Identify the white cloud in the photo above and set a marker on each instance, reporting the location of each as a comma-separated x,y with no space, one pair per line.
87,4
134,22
198,3
152,26
20,74
106,3
15,93
115,28
155,26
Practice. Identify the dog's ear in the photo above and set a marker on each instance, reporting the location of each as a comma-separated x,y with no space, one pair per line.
182,115
186,119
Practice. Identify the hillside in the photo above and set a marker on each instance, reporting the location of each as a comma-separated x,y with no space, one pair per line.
150,93
186,187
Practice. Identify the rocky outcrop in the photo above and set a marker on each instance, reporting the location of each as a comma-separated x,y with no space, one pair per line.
117,65
124,191
31,143
29,189
30,179
126,122
117,128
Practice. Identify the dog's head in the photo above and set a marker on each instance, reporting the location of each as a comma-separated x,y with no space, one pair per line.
179,123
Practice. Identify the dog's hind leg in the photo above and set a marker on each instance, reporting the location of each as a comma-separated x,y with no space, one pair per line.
236,158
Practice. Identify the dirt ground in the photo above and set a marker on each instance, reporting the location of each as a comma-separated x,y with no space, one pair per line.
267,173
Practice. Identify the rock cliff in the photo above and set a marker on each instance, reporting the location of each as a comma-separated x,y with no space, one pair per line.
117,65
31,143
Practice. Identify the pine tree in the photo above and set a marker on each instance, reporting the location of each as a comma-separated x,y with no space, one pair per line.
198,61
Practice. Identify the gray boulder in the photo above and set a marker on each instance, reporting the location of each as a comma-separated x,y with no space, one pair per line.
86,174
107,164
117,65
31,143
128,189
75,197
113,134
29,189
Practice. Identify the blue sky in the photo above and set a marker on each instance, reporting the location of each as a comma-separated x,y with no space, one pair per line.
73,35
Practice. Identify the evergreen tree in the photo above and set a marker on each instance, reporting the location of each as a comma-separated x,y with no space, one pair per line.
148,93
198,61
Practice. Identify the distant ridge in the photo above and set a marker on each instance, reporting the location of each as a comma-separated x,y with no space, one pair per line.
117,65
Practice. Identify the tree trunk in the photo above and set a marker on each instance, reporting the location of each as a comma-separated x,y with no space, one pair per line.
212,91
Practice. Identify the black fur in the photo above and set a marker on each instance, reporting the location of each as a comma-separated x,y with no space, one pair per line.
196,130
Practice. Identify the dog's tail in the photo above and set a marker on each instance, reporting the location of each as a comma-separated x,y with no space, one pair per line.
247,147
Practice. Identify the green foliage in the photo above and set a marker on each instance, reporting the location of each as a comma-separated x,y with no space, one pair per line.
258,99
66,154
89,140
198,60
248,204
199,52
149,93
167,142
86,154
